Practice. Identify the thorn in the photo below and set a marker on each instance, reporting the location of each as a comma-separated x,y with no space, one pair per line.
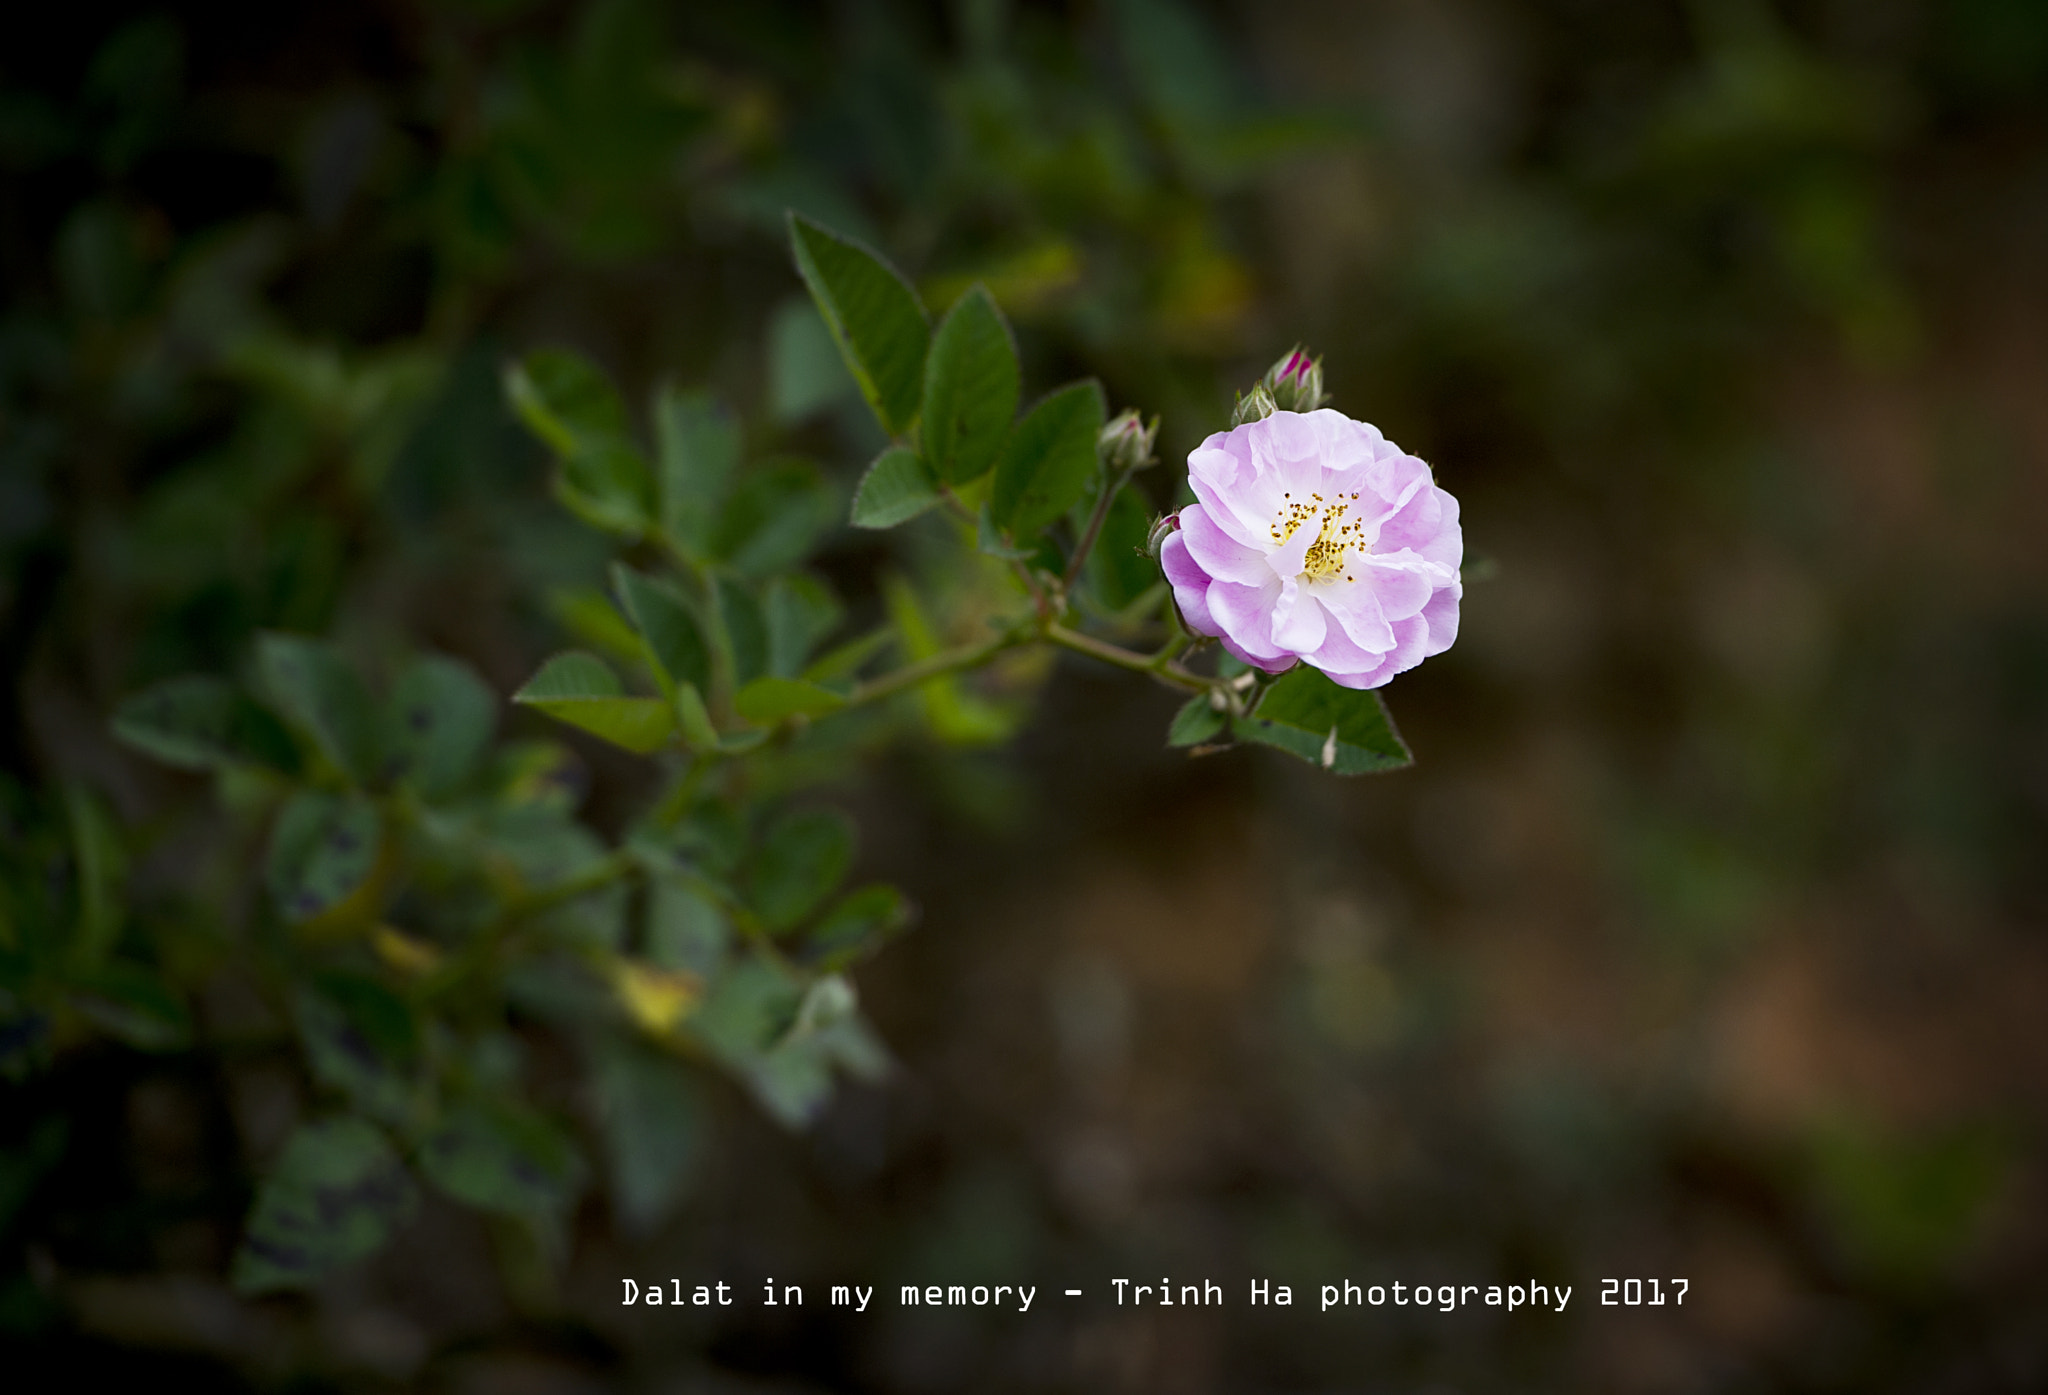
1330,749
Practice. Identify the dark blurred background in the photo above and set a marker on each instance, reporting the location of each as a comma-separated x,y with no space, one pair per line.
1705,939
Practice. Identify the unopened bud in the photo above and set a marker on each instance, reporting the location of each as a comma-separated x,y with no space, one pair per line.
1161,528
1126,442
1255,405
1296,382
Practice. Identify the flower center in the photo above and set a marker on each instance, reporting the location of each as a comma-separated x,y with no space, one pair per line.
1336,534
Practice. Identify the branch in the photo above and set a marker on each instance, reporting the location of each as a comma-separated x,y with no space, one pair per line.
944,662
1157,666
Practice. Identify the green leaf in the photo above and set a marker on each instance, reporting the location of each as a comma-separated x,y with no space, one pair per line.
322,851
504,1159
801,610
746,629
897,488
1196,724
873,316
699,445
317,692
569,403
746,1010
337,1193
100,862
608,486
542,775
438,723
797,865
713,836
989,539
794,1080
954,714
686,929
360,1039
971,384
542,847
593,620
805,372
653,1127
674,642
694,718
774,516
134,1005
1049,458
843,663
1344,730
768,699
784,1040
857,926
579,689
1119,571
201,723
566,400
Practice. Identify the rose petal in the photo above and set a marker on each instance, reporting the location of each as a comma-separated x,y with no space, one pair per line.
1278,664
1237,511
1190,584
1406,654
1298,620
1428,526
1218,553
1442,616
1402,583
1244,613
1356,608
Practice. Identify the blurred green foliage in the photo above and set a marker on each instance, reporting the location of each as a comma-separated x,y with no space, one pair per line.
265,272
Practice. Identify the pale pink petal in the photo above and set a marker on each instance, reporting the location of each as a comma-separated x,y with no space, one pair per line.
1278,664
1339,653
1389,484
1298,620
1236,511
1244,613
1403,587
1356,609
1406,654
1190,583
1428,526
1442,615
1218,553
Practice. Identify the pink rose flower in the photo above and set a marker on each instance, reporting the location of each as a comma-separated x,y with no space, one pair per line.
1315,538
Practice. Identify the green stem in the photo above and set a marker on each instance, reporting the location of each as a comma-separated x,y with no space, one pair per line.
676,802
967,516
1175,643
1094,528
1152,665
944,662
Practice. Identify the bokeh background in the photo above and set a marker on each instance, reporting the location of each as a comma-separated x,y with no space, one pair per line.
1705,939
